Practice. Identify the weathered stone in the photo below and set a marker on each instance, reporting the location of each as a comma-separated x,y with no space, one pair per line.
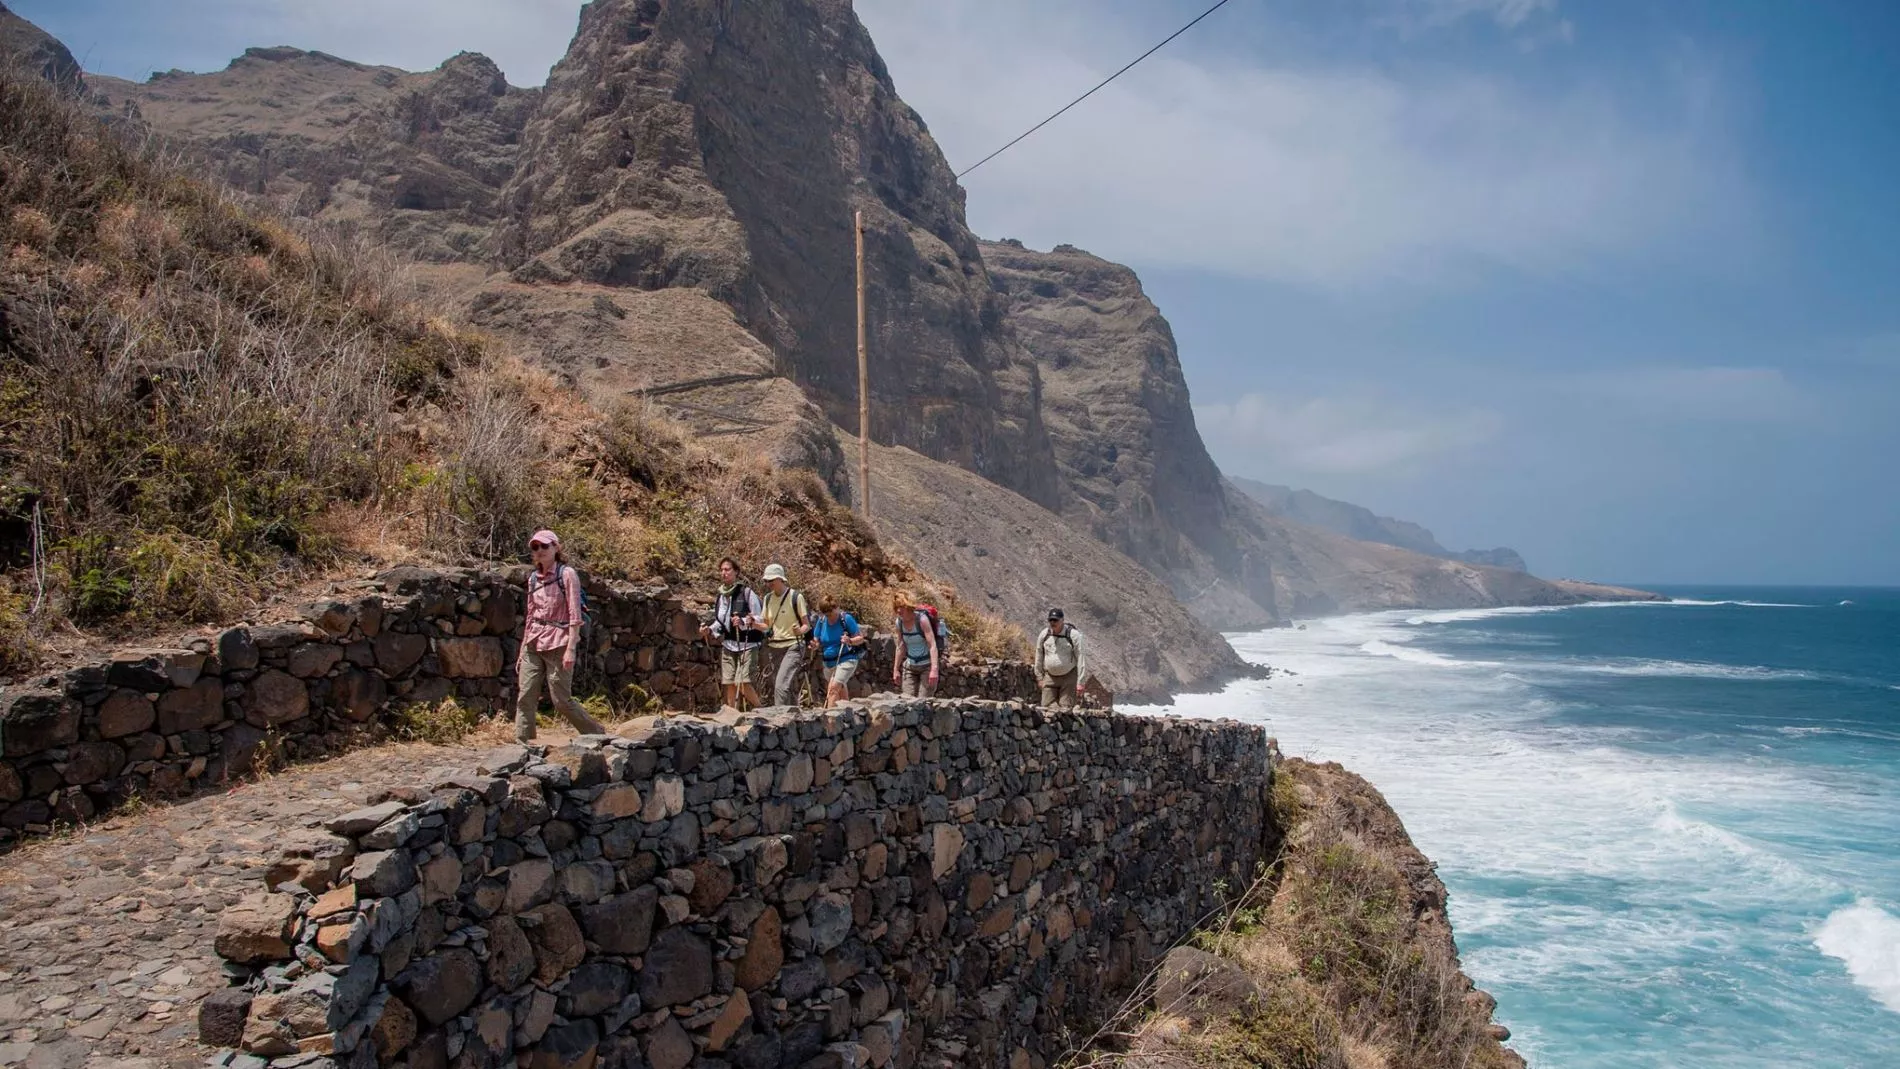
669,1047
358,694
494,1033
441,985
11,789
36,719
946,845
441,879
678,969
333,617
530,883
666,799
469,658
595,988
556,939
764,952
398,652
384,873
127,712
312,861
257,929
90,762
510,955
997,922
733,1017
393,1031
221,1017
830,918
586,882
712,884
236,651
574,1045
797,777
313,659
622,924
275,698
1195,985
617,801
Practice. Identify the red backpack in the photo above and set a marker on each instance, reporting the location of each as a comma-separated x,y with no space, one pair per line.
938,628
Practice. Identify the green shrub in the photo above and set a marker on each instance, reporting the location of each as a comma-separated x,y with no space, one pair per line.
444,722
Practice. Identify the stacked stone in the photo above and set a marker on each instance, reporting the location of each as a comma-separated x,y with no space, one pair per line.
161,723
903,883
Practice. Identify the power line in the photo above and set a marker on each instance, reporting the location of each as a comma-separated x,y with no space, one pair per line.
1090,93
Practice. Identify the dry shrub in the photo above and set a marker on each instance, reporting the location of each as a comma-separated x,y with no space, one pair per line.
441,723
184,385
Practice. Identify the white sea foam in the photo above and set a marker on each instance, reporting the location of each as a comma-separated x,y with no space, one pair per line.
1587,863
1866,939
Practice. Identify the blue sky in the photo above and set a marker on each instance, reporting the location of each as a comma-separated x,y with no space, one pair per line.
1613,283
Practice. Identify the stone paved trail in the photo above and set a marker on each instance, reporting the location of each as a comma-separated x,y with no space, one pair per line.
105,938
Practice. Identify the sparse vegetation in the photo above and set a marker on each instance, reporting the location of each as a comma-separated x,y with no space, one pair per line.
1342,959
441,723
201,404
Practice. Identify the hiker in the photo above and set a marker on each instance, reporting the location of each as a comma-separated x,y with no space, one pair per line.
915,669
737,626
787,628
1060,665
836,637
550,640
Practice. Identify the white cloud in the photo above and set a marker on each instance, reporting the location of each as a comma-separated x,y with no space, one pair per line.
1333,174
1338,435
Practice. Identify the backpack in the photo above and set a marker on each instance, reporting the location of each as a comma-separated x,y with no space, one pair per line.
795,598
938,628
560,579
735,608
1068,635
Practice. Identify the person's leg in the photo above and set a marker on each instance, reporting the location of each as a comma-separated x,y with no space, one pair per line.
560,692
907,685
791,661
838,687
728,678
528,674
748,677
1049,691
1066,686
926,687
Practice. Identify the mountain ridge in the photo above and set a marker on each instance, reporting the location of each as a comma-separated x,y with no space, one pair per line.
1361,523
663,220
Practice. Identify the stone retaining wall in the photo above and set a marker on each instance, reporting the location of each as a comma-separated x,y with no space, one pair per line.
946,883
160,723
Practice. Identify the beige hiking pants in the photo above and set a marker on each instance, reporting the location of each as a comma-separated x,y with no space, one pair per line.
536,666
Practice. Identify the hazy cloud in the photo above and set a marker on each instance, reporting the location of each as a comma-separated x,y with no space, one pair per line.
1326,173
1724,394
1340,435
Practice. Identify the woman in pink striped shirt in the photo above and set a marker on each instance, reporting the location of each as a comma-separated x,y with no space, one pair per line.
550,640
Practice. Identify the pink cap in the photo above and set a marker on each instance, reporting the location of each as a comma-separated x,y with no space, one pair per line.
547,536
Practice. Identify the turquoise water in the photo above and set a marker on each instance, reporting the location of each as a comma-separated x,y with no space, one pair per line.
1671,832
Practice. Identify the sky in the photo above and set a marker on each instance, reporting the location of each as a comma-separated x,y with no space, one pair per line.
1613,283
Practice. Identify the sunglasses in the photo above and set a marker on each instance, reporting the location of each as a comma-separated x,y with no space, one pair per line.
540,545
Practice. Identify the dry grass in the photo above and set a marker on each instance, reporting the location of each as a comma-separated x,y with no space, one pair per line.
201,403
1340,971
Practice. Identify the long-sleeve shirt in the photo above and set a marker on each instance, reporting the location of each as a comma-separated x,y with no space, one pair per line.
724,627
554,600
1056,657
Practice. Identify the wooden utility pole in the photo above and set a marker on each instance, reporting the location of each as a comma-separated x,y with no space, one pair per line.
864,385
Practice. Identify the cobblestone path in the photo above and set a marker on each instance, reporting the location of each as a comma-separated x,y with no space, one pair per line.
105,937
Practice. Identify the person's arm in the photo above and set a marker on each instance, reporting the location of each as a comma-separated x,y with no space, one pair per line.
1041,636
803,609
1081,659
717,629
572,588
930,633
755,612
897,650
853,634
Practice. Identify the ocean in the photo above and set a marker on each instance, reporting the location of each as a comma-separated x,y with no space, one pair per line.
1671,832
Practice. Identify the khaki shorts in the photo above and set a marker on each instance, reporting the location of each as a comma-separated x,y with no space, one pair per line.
841,672
739,667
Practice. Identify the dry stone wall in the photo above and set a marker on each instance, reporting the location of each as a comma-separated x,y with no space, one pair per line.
164,722
942,883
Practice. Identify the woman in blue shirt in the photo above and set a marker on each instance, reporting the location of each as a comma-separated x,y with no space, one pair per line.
835,635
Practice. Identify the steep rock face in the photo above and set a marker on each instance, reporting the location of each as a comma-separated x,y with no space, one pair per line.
1356,521
417,159
26,47
726,147
1134,471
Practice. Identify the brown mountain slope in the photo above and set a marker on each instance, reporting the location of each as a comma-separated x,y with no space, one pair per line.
1357,521
416,159
1011,558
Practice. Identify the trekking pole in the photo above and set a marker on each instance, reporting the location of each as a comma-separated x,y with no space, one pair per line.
864,385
